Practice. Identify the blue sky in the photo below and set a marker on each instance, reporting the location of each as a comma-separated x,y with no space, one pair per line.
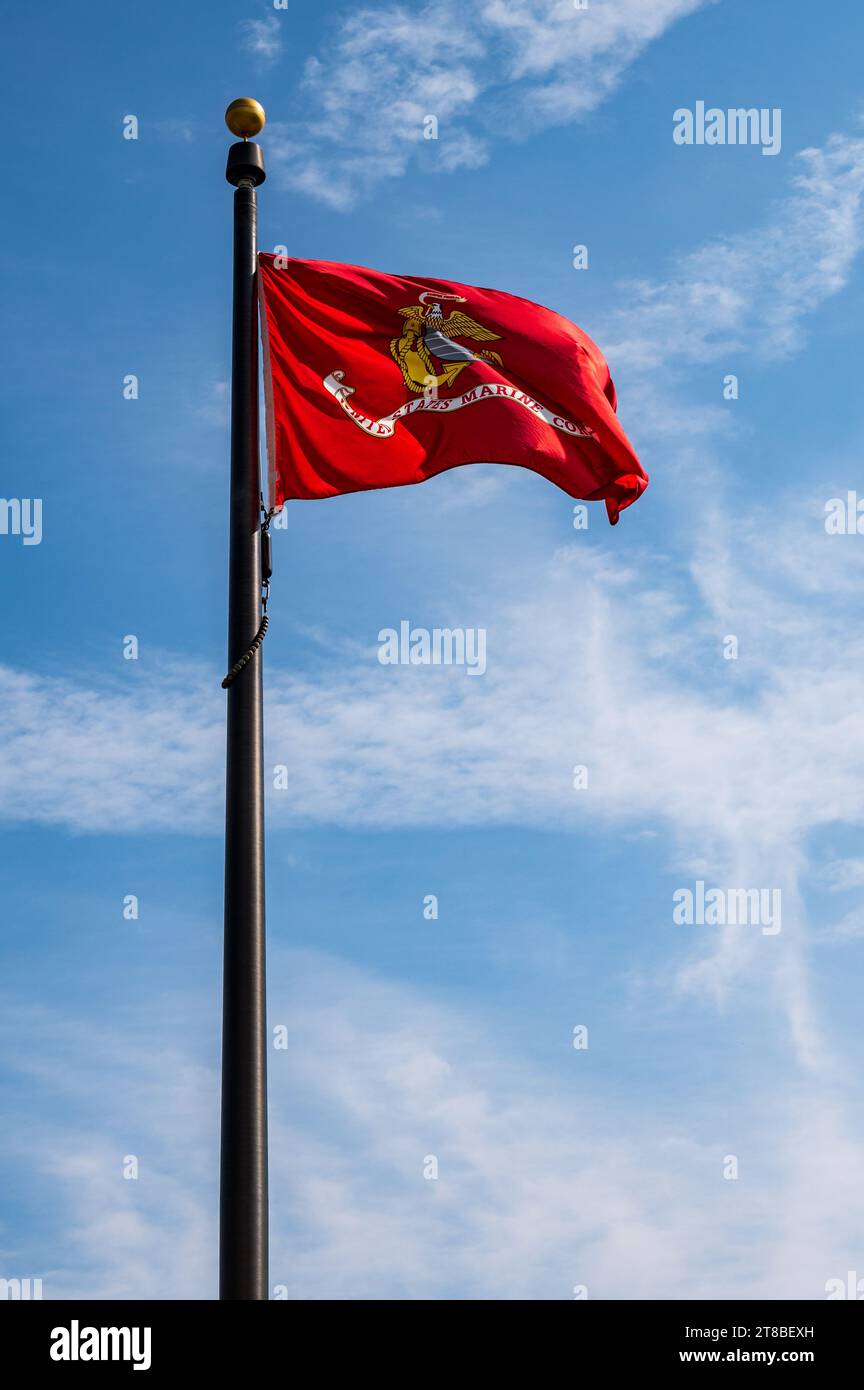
600,1168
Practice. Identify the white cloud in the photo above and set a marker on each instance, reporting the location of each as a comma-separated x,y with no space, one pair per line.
840,874
123,754
573,60
599,665
849,928
748,292
178,129
540,1187
484,71
375,745
262,38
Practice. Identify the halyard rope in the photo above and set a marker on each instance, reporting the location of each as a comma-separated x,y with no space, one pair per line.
265,594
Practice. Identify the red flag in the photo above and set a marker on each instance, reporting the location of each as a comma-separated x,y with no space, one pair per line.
377,380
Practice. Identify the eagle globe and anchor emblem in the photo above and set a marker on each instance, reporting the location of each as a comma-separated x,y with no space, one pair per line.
429,340
431,360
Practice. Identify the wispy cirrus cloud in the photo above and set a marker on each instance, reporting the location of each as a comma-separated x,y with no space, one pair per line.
735,761
262,38
749,292
381,745
484,72
540,1189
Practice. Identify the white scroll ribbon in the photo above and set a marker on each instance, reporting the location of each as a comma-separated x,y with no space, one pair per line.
385,428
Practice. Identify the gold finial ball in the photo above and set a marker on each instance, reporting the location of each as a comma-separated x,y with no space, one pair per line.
245,117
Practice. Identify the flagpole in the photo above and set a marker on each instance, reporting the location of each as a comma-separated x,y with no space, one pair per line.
243,1223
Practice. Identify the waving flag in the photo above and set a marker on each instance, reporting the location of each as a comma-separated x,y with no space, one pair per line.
377,380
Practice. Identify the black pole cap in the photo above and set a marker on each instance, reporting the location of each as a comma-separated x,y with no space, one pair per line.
245,161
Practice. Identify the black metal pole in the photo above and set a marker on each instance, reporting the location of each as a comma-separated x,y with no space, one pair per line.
243,1233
